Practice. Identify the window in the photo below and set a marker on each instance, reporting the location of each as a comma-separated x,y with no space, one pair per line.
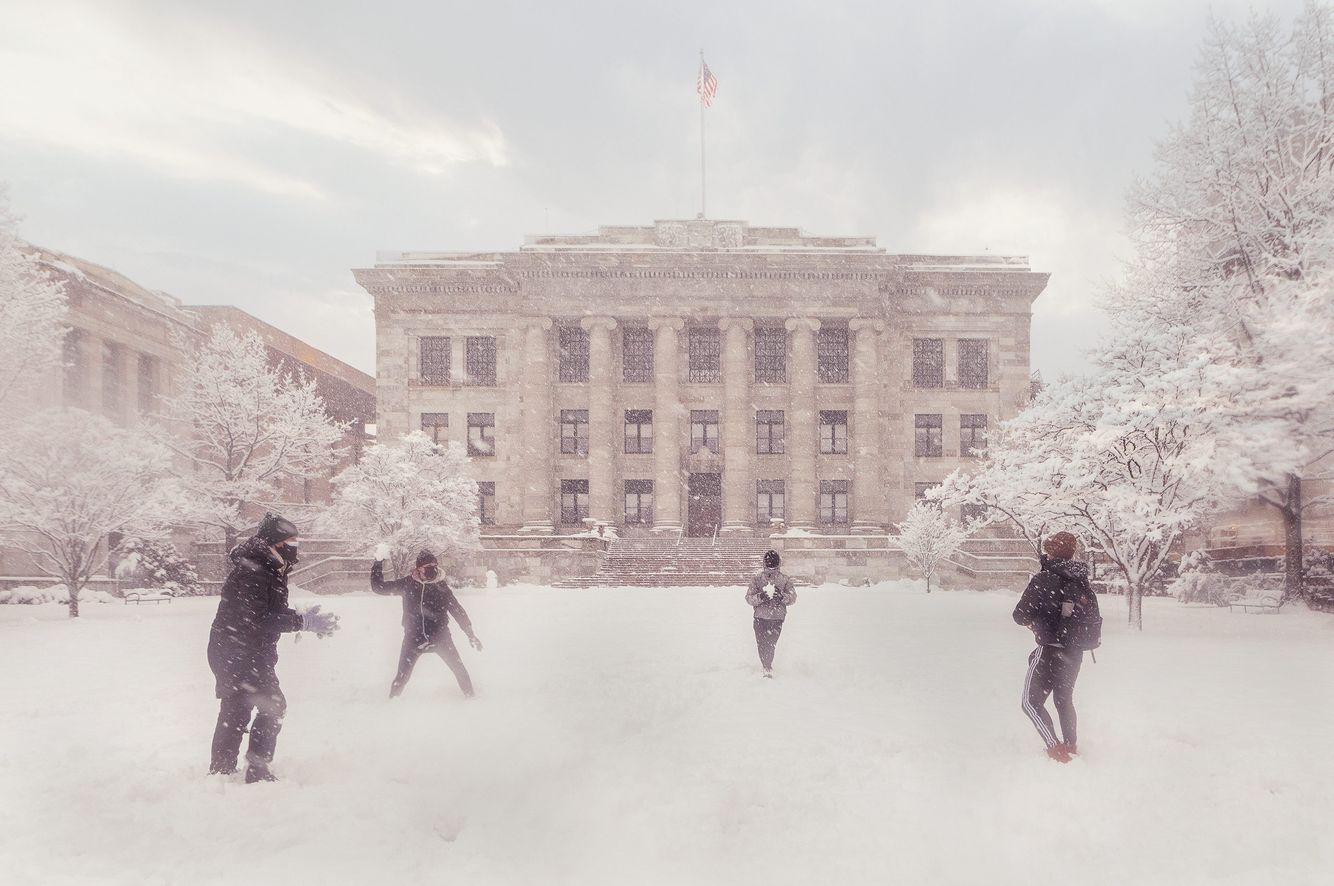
479,363
113,377
434,425
638,431
972,434
573,501
638,502
832,355
75,367
769,432
705,355
770,502
834,502
573,354
481,433
636,355
704,430
770,355
928,362
149,369
433,360
973,513
833,432
927,431
973,354
486,502
921,489
574,432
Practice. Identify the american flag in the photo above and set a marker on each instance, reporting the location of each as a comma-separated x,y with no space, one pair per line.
707,85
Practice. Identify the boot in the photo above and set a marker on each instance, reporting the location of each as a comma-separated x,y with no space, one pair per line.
259,772
222,769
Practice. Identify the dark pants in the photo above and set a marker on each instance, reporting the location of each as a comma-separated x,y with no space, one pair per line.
766,639
442,645
233,717
1052,671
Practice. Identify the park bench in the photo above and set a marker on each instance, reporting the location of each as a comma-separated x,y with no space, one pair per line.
1261,602
146,597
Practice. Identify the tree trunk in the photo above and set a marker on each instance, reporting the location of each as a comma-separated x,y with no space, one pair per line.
928,582
1292,539
1135,605
73,600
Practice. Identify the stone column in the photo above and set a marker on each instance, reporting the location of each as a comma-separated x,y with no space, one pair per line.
601,421
666,423
537,429
868,492
801,431
737,426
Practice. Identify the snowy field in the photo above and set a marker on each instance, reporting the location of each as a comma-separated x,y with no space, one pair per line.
625,737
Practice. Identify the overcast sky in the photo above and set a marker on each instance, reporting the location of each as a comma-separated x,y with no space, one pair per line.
253,152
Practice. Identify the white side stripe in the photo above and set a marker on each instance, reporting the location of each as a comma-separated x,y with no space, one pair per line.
1028,705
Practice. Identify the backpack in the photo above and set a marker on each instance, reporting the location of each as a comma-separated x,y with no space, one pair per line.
1082,628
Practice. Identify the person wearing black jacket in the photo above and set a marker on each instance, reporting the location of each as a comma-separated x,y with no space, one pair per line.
243,646
428,602
1052,667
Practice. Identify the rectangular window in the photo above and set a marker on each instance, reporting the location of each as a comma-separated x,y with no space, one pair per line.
973,357
704,430
482,434
770,355
149,382
573,501
113,377
486,502
638,431
769,432
705,355
770,501
834,502
573,354
636,355
928,362
434,425
832,355
479,360
927,436
921,489
75,368
972,435
833,432
638,502
433,360
574,432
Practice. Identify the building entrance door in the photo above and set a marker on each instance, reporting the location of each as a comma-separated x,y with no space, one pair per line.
704,508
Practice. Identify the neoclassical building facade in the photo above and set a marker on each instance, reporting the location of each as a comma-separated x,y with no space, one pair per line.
701,376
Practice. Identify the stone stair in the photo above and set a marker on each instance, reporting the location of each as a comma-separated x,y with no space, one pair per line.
671,562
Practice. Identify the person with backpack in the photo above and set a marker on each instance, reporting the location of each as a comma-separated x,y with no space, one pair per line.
428,602
1061,610
770,593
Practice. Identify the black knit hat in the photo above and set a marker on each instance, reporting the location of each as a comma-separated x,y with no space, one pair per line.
424,558
274,529
771,559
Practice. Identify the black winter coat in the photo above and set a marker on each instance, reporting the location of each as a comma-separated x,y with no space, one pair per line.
1040,606
252,615
426,606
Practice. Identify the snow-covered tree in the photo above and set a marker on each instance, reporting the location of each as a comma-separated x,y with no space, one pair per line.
410,495
156,564
251,427
68,479
32,314
929,537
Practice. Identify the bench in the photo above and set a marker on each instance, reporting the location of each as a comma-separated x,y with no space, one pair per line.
141,597
1264,602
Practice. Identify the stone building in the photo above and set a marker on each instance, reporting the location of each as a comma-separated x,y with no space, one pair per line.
701,376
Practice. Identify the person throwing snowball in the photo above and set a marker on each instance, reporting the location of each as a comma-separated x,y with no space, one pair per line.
428,602
770,593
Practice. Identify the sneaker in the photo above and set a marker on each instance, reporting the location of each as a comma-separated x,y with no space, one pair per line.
1059,752
222,769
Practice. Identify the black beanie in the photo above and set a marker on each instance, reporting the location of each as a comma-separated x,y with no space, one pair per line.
273,529
771,559
424,558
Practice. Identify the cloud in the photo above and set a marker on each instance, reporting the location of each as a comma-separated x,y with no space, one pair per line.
196,99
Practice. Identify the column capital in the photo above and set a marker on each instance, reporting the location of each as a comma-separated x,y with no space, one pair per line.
591,323
537,323
801,324
676,323
856,324
743,323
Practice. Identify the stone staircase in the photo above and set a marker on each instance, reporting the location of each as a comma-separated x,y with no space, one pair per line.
671,562
995,560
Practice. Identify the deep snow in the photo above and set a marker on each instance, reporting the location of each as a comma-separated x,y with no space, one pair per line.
624,737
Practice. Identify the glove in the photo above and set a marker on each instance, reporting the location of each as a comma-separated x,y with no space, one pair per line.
381,552
475,643
322,624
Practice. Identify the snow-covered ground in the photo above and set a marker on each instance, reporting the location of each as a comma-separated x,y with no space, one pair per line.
625,737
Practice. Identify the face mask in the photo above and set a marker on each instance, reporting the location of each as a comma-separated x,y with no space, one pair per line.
289,552
431,572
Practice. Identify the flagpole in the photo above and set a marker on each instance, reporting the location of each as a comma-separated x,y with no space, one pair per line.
702,192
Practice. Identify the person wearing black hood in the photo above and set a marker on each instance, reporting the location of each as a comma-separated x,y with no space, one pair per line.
428,602
770,593
243,646
1053,667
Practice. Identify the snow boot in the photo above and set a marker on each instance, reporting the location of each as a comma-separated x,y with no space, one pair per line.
1059,752
256,772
